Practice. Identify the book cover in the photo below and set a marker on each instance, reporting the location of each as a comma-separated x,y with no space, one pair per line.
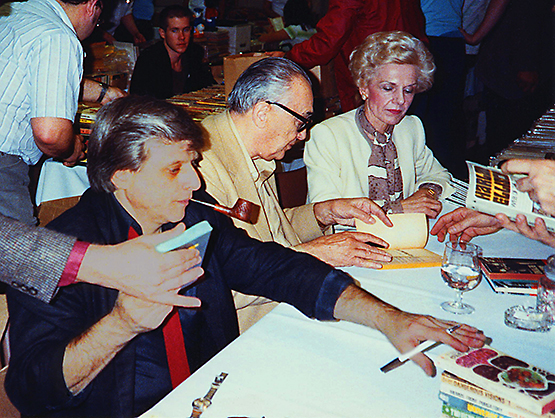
528,386
491,191
454,386
406,238
513,275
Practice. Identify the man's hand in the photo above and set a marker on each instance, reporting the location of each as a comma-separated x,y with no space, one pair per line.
78,152
87,355
464,224
138,315
346,249
403,329
537,232
539,181
422,202
406,330
344,212
136,268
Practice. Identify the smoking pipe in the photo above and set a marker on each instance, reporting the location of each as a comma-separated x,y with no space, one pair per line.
242,209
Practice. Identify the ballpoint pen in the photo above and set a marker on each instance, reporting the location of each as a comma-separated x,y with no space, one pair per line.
399,361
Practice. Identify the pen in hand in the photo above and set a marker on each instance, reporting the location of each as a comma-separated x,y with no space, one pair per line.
399,361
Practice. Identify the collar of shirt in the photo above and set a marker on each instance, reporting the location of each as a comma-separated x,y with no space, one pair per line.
60,12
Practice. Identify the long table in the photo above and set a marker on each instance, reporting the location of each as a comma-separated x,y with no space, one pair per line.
287,365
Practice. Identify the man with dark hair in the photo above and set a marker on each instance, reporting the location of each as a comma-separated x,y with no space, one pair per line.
175,64
41,65
94,352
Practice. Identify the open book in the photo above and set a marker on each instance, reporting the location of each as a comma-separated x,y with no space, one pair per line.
491,191
407,239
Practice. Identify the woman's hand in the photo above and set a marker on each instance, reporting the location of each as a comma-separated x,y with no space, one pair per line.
422,202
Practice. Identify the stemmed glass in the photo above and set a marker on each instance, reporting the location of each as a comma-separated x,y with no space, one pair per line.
460,270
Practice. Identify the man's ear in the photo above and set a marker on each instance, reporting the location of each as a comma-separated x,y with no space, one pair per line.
260,114
162,33
91,7
122,178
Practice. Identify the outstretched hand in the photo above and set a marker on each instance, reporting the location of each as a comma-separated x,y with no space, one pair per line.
406,330
136,268
464,224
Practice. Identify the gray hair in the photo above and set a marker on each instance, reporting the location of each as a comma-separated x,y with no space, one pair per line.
267,79
122,128
397,47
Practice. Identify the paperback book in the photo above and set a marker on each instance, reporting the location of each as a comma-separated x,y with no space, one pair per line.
452,387
491,191
519,382
459,408
407,239
513,275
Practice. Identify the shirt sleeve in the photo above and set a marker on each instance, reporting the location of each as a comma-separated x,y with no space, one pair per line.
56,70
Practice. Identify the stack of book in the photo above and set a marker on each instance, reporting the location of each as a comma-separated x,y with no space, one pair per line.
86,115
488,383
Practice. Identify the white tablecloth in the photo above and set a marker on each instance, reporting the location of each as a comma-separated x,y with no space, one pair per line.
56,181
291,366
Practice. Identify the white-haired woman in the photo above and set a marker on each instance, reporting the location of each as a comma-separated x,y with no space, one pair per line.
376,151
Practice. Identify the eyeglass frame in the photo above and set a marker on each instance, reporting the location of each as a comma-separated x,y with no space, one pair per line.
306,122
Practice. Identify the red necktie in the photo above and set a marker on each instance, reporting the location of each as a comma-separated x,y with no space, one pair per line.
174,342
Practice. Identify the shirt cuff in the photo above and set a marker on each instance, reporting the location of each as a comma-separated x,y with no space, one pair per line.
73,264
333,286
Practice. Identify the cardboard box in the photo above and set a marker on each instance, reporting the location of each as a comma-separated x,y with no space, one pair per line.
239,38
234,65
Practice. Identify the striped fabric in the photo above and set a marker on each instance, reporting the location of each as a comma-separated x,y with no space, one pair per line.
41,65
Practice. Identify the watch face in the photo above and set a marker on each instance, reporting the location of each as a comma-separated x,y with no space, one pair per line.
201,403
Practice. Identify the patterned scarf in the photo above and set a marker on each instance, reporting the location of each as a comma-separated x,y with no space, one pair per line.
384,174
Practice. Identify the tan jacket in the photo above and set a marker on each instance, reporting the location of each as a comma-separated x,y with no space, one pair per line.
225,170
227,177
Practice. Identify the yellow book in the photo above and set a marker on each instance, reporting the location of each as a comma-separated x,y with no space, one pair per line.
407,239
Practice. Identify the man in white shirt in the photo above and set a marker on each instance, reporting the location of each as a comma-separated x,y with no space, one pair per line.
41,66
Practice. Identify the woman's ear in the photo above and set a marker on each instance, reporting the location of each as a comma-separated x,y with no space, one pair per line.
364,92
122,178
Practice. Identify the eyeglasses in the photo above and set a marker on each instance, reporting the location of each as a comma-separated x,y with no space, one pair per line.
305,122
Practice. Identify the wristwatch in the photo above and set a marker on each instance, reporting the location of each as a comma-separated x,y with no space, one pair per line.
200,404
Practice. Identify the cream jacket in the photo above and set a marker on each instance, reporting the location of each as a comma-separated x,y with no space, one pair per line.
337,155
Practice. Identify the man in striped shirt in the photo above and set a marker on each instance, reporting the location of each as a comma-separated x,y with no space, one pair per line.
41,67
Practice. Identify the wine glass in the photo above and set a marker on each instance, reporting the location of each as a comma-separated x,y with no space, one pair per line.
460,270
